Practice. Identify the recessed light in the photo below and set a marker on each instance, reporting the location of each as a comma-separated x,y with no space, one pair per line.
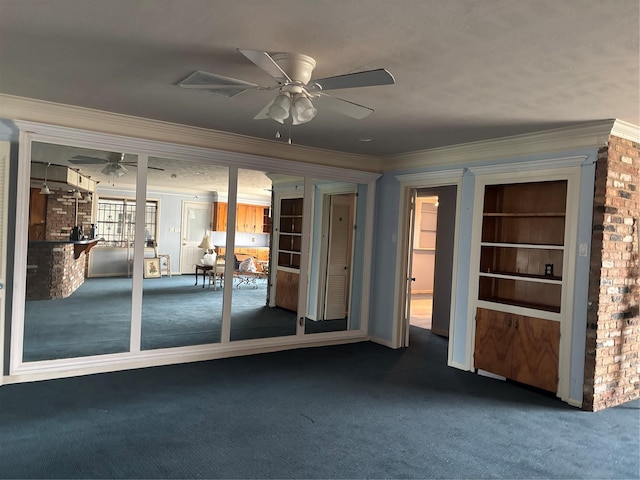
365,139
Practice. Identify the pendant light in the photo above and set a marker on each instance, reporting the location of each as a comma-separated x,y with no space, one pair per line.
45,189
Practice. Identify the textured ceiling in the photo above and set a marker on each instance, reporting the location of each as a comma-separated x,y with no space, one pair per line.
465,70
167,175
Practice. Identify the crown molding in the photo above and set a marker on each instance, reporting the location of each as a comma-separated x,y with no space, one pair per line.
180,151
33,110
593,134
626,130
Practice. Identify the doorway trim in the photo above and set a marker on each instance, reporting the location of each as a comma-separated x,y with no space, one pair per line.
408,183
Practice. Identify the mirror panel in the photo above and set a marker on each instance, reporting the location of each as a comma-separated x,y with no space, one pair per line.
253,315
335,270
69,312
181,302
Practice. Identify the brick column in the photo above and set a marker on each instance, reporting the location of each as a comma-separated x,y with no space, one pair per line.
612,366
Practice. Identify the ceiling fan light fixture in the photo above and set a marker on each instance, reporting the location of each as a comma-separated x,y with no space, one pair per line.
303,110
279,109
114,169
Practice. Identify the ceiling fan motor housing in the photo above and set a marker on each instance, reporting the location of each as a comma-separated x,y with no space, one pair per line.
299,67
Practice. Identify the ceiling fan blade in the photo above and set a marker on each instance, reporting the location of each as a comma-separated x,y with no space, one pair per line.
266,63
132,164
216,84
344,107
82,160
369,78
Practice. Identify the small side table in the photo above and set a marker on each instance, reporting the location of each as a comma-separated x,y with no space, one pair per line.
204,269
167,257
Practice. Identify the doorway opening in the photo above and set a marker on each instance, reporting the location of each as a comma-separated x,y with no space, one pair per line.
430,259
423,261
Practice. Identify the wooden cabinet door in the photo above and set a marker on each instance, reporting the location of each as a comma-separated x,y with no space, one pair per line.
287,290
494,342
536,344
241,218
37,215
256,219
219,223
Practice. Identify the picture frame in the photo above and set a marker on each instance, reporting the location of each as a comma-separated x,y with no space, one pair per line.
152,268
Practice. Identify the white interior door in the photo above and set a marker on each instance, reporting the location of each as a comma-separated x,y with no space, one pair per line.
407,307
339,256
196,221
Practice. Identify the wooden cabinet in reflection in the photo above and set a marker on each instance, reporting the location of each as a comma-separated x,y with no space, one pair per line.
37,215
287,290
249,218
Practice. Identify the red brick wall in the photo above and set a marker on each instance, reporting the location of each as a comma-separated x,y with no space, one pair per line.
612,366
61,214
53,271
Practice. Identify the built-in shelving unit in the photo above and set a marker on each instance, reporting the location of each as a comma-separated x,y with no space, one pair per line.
522,246
290,233
288,253
522,255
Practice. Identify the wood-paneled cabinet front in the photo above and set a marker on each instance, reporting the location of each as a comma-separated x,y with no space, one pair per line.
219,221
249,218
37,215
287,290
521,348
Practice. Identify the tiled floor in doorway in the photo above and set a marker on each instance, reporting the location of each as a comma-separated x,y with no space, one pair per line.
421,310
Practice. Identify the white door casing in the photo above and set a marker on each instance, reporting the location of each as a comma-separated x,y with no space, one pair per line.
5,151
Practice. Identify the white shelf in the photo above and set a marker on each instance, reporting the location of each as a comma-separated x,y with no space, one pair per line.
522,245
523,277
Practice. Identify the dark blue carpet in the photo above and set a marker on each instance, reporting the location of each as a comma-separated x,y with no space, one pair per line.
349,411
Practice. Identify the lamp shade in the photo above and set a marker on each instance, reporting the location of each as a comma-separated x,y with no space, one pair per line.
77,195
206,243
279,109
45,190
303,110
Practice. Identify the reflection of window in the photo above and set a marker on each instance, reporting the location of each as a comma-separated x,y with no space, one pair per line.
116,221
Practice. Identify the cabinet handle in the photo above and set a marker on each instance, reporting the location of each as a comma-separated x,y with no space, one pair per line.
509,323
517,324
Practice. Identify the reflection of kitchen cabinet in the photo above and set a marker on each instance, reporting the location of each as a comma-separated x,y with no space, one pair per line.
524,349
260,253
37,215
249,218
287,290
289,248
219,221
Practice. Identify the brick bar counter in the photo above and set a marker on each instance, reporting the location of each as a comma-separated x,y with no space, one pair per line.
55,269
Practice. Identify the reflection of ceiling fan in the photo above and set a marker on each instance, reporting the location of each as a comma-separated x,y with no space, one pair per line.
115,167
297,92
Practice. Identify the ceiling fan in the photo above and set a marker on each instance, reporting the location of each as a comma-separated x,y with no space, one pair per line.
114,167
297,93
